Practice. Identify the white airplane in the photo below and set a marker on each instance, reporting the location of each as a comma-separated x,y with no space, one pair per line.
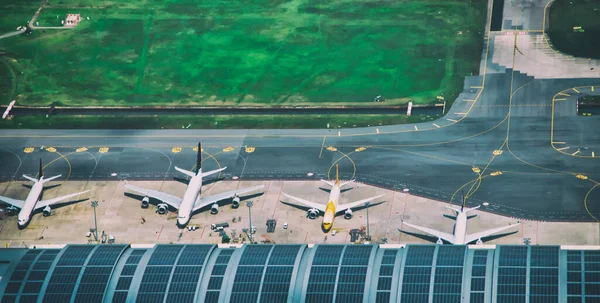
191,200
332,208
460,236
33,202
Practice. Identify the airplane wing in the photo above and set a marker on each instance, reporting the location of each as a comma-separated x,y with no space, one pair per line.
433,232
13,202
343,207
171,200
49,202
319,206
489,232
204,201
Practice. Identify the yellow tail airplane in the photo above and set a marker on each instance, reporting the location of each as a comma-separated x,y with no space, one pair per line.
332,208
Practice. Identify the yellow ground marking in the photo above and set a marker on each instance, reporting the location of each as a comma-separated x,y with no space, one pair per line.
360,149
331,148
582,177
559,142
469,100
250,149
476,86
228,149
496,173
562,99
196,149
592,88
452,120
576,90
81,149
176,149
416,128
562,148
575,153
347,156
103,150
28,150
564,94
436,125
585,200
475,169
51,149
497,152
460,113
322,145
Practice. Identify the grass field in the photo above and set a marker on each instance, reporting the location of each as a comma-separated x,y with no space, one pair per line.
212,122
245,52
566,14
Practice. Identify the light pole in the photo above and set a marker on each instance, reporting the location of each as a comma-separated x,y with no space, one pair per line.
94,205
249,204
368,232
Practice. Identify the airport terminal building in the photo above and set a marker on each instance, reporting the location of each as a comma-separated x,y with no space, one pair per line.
300,273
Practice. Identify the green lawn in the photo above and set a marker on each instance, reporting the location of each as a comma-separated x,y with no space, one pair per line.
250,52
566,14
210,122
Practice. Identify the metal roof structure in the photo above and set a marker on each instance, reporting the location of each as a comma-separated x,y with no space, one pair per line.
300,273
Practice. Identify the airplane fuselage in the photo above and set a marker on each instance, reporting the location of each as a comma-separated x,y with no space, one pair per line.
330,209
460,229
184,214
32,198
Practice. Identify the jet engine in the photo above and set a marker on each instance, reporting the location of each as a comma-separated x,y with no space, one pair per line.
312,213
348,214
235,203
11,211
145,202
214,209
162,208
47,211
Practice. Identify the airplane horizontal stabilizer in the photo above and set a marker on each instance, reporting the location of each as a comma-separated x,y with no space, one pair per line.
51,178
185,172
346,183
212,172
34,180
328,182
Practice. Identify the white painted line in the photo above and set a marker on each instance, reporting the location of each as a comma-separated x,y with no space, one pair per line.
436,125
377,129
560,99
339,134
416,128
452,120
460,113
562,148
469,100
575,153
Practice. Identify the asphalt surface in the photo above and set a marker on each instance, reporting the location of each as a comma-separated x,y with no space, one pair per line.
494,145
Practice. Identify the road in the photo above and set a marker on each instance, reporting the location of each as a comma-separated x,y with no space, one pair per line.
510,141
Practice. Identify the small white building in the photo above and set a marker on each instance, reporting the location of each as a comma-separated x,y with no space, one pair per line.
72,20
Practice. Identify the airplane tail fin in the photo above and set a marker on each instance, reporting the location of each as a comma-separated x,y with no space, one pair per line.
41,172
199,159
337,174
